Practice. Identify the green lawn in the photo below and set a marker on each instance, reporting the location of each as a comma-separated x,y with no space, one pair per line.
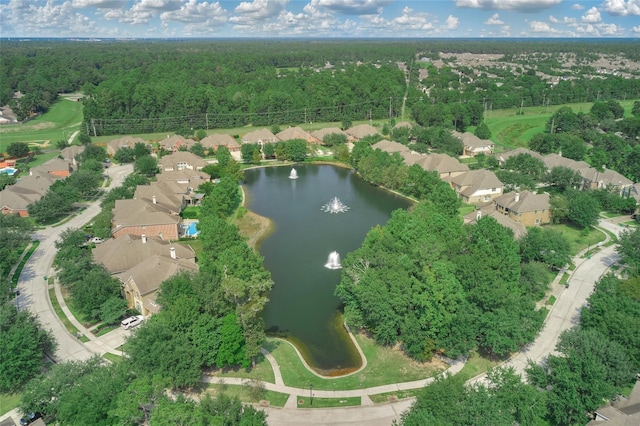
307,402
262,371
63,118
9,402
63,318
476,365
384,366
381,398
25,259
112,357
578,240
245,394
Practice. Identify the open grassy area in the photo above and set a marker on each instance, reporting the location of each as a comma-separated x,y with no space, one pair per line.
112,357
578,239
262,371
382,398
63,318
9,402
307,402
384,366
63,118
476,365
246,394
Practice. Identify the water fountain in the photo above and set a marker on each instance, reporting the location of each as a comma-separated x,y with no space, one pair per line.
333,262
335,206
293,174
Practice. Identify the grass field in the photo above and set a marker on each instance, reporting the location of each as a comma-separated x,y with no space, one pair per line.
63,118
384,366
476,365
578,238
9,402
262,371
245,394
307,402
511,130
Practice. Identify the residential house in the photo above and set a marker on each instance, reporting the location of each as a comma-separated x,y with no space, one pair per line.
518,229
121,254
390,146
403,124
192,178
473,145
138,217
213,141
181,160
443,164
504,156
476,186
592,178
321,133
175,142
125,141
57,167
291,133
70,153
557,160
525,207
141,283
170,196
360,131
620,411
260,137
15,199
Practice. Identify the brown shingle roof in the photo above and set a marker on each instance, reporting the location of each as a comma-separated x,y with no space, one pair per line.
150,273
361,130
390,146
294,133
526,201
120,254
518,229
262,135
140,213
219,139
191,160
167,194
321,133
476,180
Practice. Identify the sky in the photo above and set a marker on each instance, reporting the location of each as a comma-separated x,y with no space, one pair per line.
319,18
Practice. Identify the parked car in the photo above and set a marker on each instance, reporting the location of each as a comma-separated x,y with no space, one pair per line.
131,321
96,240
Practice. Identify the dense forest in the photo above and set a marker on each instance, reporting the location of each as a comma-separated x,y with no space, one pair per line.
146,86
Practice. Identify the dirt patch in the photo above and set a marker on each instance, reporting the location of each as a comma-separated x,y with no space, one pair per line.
253,227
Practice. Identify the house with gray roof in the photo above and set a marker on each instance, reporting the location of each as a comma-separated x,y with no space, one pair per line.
295,132
473,145
557,160
15,199
390,146
141,283
216,140
360,131
476,186
260,137
138,217
174,143
518,229
125,141
621,411
168,195
121,254
446,166
592,178
70,153
504,156
189,177
525,207
181,160
321,133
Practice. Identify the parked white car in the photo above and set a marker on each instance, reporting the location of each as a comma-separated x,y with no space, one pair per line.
131,321
96,240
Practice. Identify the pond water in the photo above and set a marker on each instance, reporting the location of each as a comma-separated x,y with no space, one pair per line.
301,252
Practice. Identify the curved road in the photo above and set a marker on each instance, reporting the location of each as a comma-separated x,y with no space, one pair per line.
563,315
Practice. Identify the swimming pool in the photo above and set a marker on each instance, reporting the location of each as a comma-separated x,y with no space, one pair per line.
8,170
190,229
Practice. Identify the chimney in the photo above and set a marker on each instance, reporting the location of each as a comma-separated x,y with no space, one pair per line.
478,214
144,239
154,200
172,250
517,197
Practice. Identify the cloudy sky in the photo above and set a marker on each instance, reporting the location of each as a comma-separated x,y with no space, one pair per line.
319,18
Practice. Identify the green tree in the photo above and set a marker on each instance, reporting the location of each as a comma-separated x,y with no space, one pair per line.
545,245
83,138
584,209
482,131
629,248
51,206
124,155
268,150
333,139
201,134
113,309
24,343
223,156
636,109
146,165
18,149
94,152
197,149
564,178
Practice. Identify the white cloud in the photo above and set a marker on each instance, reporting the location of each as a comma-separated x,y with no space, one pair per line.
451,23
622,7
636,29
515,5
553,19
597,30
194,12
494,20
24,18
541,27
592,16
577,6
257,12
101,4
411,20
353,7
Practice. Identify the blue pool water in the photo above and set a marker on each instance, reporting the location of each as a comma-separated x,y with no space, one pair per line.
8,170
190,229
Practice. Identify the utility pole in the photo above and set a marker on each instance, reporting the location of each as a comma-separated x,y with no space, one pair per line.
389,108
521,105
305,115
